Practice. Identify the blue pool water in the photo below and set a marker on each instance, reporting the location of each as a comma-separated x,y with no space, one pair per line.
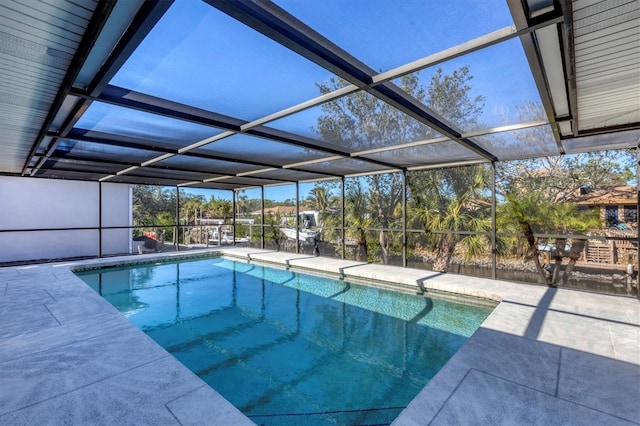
289,348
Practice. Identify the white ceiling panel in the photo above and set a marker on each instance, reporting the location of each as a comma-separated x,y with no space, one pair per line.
607,62
37,42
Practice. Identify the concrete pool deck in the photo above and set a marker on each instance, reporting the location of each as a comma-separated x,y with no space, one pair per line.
544,356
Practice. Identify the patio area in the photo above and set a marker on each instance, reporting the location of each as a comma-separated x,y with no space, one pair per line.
544,356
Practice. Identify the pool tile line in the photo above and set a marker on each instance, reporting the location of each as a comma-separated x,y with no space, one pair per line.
347,287
319,413
255,350
424,312
228,331
285,385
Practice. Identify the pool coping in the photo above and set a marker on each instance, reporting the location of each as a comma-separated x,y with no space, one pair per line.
575,355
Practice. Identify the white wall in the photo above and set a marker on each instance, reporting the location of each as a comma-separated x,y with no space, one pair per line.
116,211
29,203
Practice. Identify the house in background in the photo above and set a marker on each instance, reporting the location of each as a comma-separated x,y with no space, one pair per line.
618,205
281,211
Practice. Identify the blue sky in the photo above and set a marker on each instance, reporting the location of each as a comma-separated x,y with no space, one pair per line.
275,193
200,56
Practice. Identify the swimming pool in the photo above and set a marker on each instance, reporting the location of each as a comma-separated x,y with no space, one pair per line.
292,348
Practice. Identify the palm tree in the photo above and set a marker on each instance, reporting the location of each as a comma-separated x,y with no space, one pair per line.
526,212
357,216
569,220
241,204
320,199
386,204
189,209
219,208
533,211
450,200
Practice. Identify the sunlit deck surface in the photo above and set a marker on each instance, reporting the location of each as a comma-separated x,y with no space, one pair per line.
544,356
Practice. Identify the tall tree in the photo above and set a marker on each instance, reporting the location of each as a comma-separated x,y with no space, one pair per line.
217,208
454,201
242,204
191,208
150,201
559,178
361,121
450,96
320,199
357,215
538,194
533,212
